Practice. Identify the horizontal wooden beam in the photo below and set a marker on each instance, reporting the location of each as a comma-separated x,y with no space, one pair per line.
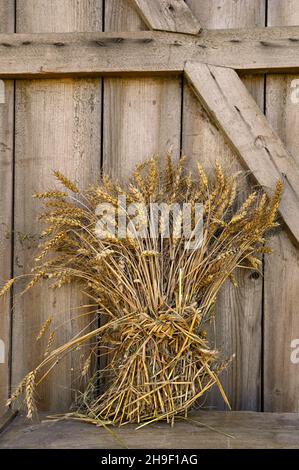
206,429
89,54
168,15
235,112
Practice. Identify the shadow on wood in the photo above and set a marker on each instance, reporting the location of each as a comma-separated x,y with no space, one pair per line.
207,430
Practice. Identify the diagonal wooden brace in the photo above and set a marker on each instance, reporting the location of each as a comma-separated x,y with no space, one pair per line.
232,108
168,15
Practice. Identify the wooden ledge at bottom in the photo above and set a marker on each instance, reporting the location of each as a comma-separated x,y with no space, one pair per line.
247,430
6,419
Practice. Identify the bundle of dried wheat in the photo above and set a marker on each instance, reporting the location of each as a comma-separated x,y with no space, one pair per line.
154,285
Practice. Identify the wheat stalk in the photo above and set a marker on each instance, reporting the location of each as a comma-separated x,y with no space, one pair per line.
7,286
44,329
29,392
154,296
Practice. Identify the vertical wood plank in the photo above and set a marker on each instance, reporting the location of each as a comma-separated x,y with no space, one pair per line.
6,195
225,14
142,116
7,16
281,376
238,322
58,126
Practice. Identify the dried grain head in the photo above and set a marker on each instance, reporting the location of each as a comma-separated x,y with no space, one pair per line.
154,296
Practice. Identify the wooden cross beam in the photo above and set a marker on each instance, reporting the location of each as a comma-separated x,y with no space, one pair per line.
49,55
210,61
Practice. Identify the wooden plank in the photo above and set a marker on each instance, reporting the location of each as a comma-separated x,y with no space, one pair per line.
6,196
223,14
122,16
58,126
119,15
227,101
239,310
168,15
6,419
141,115
45,55
147,122
215,430
281,323
7,17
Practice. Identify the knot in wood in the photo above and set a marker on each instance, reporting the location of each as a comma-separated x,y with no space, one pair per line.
260,142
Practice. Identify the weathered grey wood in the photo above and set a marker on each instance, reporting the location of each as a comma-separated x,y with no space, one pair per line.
168,15
222,14
141,119
7,17
59,16
6,197
118,111
274,49
281,322
228,102
58,126
6,419
121,15
212,430
62,54
142,116
238,317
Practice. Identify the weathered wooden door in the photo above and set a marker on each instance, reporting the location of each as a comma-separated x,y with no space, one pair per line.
80,102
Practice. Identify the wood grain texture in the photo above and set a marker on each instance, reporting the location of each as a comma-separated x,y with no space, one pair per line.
6,419
239,310
119,16
122,16
228,102
141,116
7,17
215,430
283,13
6,196
141,119
81,54
58,126
168,15
224,14
42,16
281,376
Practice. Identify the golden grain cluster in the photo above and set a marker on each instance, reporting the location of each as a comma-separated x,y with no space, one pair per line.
152,298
